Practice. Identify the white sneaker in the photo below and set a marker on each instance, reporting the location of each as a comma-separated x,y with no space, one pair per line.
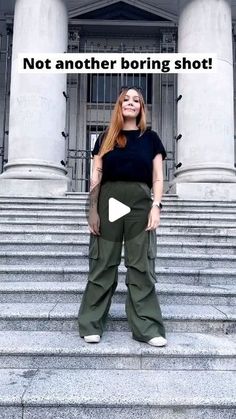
92,338
157,341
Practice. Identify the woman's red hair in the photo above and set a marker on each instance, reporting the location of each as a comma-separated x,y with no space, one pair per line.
113,134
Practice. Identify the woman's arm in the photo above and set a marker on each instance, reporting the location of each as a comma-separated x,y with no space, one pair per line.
157,187
95,184
157,178
95,181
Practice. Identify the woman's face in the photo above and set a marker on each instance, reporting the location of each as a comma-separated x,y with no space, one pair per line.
131,104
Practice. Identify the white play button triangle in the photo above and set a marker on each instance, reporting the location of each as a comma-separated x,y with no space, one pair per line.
117,209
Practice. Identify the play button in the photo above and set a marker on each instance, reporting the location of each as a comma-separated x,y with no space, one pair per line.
122,209
117,210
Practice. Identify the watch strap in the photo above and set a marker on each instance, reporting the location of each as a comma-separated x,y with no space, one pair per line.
157,204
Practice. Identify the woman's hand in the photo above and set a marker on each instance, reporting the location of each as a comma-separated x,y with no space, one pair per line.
94,222
153,218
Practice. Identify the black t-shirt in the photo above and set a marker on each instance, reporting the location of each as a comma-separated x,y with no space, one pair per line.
134,161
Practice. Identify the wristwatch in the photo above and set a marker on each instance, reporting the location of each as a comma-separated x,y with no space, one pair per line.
157,204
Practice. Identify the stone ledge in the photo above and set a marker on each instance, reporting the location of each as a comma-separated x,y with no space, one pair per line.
33,187
116,350
209,191
117,388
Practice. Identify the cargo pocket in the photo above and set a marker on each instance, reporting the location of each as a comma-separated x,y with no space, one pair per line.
93,252
93,247
152,251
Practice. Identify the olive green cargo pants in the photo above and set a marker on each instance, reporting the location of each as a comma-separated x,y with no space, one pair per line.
142,306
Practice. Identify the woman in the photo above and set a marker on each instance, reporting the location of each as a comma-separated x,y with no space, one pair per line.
127,164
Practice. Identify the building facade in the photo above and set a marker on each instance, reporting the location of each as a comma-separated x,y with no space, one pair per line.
49,122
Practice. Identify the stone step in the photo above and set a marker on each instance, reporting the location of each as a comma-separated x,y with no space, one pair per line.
171,275
84,196
76,258
71,292
82,227
64,316
163,246
76,236
65,203
117,394
168,209
74,194
20,225
116,350
196,260
68,217
44,270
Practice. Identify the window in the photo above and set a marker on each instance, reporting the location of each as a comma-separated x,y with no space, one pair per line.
104,88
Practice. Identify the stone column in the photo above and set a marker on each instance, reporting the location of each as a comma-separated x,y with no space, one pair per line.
37,105
205,112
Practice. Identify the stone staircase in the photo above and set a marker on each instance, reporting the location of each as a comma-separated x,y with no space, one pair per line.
47,370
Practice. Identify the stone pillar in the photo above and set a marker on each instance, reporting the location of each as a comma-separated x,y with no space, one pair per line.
205,112
37,105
